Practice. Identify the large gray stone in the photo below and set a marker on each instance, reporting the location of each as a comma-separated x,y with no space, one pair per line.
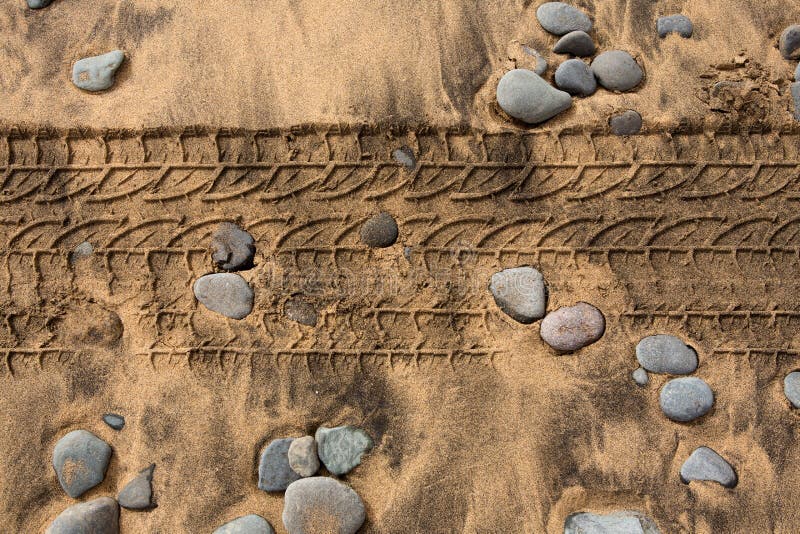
626,123
685,399
706,464
573,327
789,42
96,73
274,471
622,522
138,493
80,460
232,248
380,231
524,95
322,505
248,524
679,24
342,447
559,18
577,43
668,354
575,77
520,292
303,458
616,70
225,293
791,388
98,516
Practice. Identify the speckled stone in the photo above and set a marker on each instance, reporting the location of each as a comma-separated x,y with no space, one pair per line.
685,399
791,388
115,421
300,311
577,43
626,123
622,522
98,516
524,95
138,493
96,73
575,77
559,18
380,231
248,524
405,157
520,292
225,293
322,505
573,327
789,42
80,460
83,250
303,458
232,248
274,471
706,464
640,377
341,448
616,70
679,24
667,354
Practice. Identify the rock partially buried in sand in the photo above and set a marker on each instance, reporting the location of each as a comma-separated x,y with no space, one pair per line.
706,464
626,123
80,460
791,388
96,73
573,327
248,524
98,516
524,95
789,42
303,458
520,292
225,293
663,353
300,311
380,231
575,77
795,90
232,248
39,4
616,70
559,18
83,250
117,422
685,399
274,471
622,522
138,493
577,43
679,24
342,447
405,157
640,377
322,505
541,62
797,74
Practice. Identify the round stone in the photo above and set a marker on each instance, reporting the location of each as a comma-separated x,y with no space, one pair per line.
83,250
117,422
685,399
303,457
575,77
322,505
559,18
232,248
577,43
96,73
300,311
520,292
380,231
248,524
640,377
667,354
573,327
98,516
225,293
524,95
679,24
274,471
616,70
138,493
789,42
80,460
621,522
791,388
706,464
626,123
342,447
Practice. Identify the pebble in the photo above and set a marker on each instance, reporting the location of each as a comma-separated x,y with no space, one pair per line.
706,464
520,292
39,4
685,399
232,248
225,293
96,73
577,43
791,388
274,471
667,354
559,18
248,524
380,231
303,457
626,123
679,24
789,42
524,95
138,493
622,522
795,89
80,460
573,327
541,62
797,73
405,157
575,77
300,311
83,250
117,422
616,70
98,516
640,377
322,505
341,448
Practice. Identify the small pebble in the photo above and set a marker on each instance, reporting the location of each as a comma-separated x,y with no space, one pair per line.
303,458
789,42
138,493
83,250
575,77
300,311
232,248
791,388
573,327
559,18
541,62
225,293
248,524
520,292
80,460
524,95
322,505
117,422
39,4
640,377
622,522
797,73
685,399
274,471
97,73
626,123
380,231
342,447
795,89
98,516
667,354
679,24
405,157
616,70
577,43
706,464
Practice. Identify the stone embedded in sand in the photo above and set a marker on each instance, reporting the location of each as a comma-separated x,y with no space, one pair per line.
225,293
248,524
117,422
789,42
342,447
667,354
520,292
322,505
679,24
791,388
622,522
380,231
524,95
795,90
80,460
616,70
39,4
573,327
405,157
274,471
685,399
575,77
83,250
626,123
640,377
138,493
577,43
96,73
706,464
232,248
300,311
559,18
797,74
98,516
303,458
541,62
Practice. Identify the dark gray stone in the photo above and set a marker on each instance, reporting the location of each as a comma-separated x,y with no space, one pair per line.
573,327
138,493
83,250
303,458
248,524
706,464
342,447
685,399
577,43
616,70
640,377
225,293
626,123
96,73
300,311
80,460
117,422
98,516
39,4
795,90
274,471
679,24
524,95
575,77
380,231
622,522
232,248
667,354
791,388
559,18
789,42
520,292
405,157
322,505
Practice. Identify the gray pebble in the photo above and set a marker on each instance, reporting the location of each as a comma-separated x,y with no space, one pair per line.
622,522
138,493
559,18
575,77
573,327
679,24
577,43
303,458
541,62
83,250
795,89
405,157
274,471
640,377
789,42
797,73
39,4
616,70
791,388
248,524
706,464
520,292
626,123
225,293
322,505
117,422
663,353
524,95
685,399
80,460
96,73
380,231
342,447
98,516
300,311
232,248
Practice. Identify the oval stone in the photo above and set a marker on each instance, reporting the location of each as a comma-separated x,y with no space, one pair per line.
575,77
274,471
322,505
685,399
98,516
380,231
679,24
524,95
225,293
616,70
791,388
520,292
668,354
640,377
577,43
342,447
573,327
789,42
621,522
80,460
248,524
559,18
626,123
706,464
303,458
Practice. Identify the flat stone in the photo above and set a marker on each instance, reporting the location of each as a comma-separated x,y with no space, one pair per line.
248,524
706,464
380,231
559,18
640,377
524,95
577,43
300,311
791,388
322,505
573,327
795,90
117,422
225,293
138,493
232,248
679,24
39,4
96,73
789,42
616,70
685,399
342,447
80,460
520,292
303,458
83,250
626,123
274,471
622,522
576,77
405,157
98,516
667,354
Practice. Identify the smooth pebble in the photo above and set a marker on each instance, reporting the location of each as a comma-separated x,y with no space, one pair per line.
380,231
679,24
789,42
663,353
575,77
225,293
616,70
232,248
322,505
300,311
626,123
685,399
115,421
405,157
83,250
524,95
138,493
98,516
559,18
705,464
248,524
96,73
577,43
791,388
520,292
640,377
622,522
80,460
572,327
274,471
303,458
39,4
341,448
